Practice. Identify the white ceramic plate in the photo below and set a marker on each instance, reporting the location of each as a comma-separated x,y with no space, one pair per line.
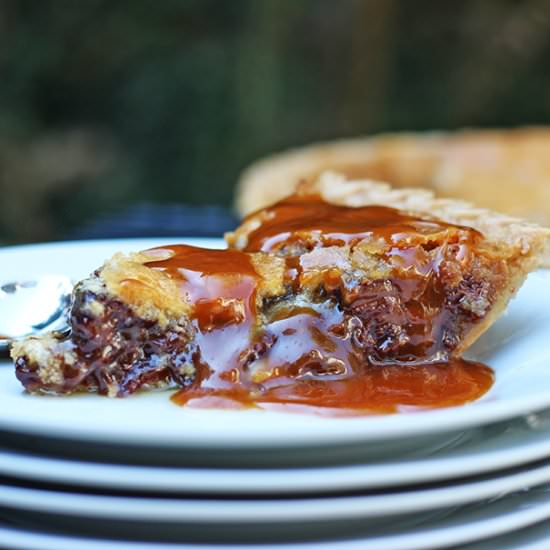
516,347
467,526
493,448
534,537
262,510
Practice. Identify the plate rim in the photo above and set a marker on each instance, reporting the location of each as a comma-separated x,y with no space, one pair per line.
296,509
466,460
452,532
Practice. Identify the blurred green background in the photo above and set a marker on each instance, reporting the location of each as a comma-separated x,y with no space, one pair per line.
108,103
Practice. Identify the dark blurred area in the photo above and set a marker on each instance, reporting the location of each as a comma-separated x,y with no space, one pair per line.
112,108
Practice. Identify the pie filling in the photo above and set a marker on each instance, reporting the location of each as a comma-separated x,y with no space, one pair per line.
351,309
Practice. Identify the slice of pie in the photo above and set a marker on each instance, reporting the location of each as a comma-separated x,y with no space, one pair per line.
347,296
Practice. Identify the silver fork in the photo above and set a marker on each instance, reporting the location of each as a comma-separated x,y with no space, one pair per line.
33,307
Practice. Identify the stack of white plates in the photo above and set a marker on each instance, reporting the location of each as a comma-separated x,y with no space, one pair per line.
89,472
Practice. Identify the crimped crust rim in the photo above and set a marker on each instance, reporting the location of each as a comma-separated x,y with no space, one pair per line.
527,237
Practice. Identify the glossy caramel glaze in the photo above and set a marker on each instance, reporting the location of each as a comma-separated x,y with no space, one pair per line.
314,359
320,352
310,218
221,285
376,390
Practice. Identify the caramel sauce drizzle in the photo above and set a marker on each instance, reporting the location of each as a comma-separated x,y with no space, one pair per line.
221,285
291,218
308,355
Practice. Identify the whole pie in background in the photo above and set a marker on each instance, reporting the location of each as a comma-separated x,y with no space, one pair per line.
504,170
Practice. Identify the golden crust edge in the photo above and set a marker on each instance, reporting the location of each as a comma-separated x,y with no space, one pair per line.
524,237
